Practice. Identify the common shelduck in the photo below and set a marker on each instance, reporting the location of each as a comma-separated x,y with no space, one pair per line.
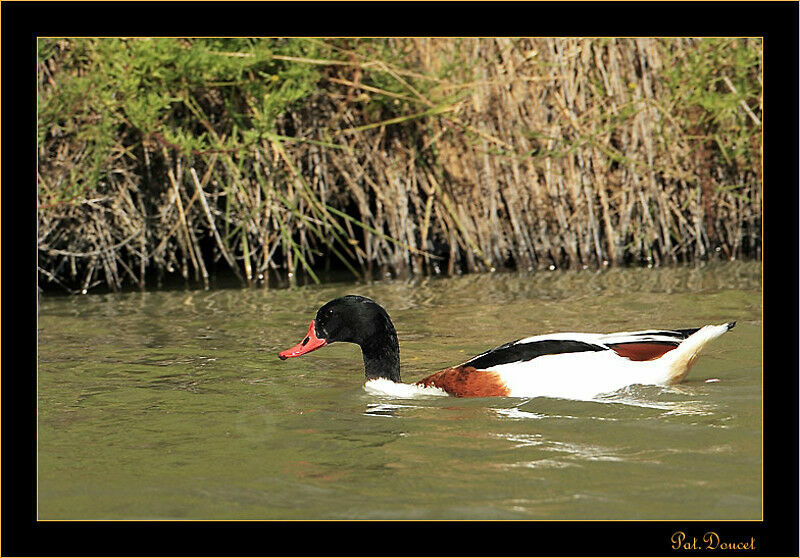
563,365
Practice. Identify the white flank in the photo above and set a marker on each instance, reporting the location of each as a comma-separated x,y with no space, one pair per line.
586,375
388,388
580,376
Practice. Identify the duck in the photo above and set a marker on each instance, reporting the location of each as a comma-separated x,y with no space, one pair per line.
558,365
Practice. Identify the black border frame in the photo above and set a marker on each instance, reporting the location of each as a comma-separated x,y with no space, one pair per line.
22,22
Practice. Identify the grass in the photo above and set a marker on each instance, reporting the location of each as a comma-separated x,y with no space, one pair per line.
162,157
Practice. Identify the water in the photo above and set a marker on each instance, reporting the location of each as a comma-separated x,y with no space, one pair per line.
174,405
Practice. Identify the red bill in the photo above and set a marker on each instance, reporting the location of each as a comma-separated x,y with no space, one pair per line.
310,343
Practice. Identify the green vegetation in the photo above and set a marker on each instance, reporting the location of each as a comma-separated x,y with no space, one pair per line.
286,156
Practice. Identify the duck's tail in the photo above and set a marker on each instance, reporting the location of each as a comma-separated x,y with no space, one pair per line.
679,360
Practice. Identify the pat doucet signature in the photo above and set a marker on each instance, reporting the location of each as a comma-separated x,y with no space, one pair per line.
711,540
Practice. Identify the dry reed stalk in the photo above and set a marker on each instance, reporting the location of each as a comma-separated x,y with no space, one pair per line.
531,152
212,226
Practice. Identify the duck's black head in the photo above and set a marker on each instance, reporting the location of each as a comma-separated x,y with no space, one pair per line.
355,319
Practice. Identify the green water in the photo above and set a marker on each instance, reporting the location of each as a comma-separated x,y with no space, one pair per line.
173,405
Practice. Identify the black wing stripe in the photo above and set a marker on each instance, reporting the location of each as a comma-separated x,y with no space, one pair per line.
508,353
650,336
680,333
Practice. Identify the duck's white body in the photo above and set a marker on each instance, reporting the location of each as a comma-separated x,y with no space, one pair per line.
584,374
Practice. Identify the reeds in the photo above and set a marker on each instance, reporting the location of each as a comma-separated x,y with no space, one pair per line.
395,155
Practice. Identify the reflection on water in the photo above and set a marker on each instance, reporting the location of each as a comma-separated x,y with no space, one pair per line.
383,409
175,405
647,397
641,396
515,413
